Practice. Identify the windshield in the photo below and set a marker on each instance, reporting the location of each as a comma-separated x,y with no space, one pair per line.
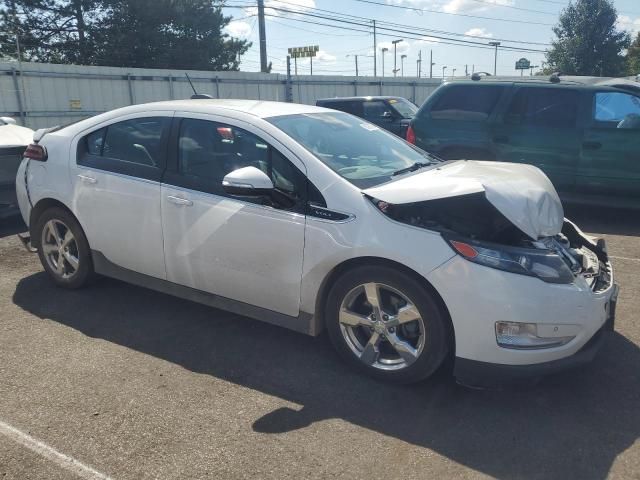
405,108
357,150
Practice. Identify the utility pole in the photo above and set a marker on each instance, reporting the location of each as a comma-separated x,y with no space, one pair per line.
473,69
495,58
419,62
263,37
453,74
395,51
444,67
311,64
466,70
375,51
356,57
384,49
431,64
402,57
295,63
531,69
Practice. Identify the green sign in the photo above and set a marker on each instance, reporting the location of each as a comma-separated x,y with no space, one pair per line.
302,52
523,64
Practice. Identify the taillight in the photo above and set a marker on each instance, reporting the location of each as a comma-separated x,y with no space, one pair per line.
35,152
411,135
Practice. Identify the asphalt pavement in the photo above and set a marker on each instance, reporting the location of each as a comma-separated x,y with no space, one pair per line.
116,381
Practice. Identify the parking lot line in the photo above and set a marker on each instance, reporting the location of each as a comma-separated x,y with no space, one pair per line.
44,450
625,258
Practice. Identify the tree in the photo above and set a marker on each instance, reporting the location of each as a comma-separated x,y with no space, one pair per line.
185,34
588,42
182,34
57,31
633,56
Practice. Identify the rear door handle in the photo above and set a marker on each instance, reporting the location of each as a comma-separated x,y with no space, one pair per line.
183,202
591,145
87,179
501,139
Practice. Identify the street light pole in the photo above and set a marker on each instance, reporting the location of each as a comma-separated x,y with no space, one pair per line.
443,69
384,49
431,64
395,50
402,57
453,74
495,58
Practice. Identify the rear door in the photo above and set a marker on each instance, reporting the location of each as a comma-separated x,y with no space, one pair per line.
540,127
116,181
456,124
610,154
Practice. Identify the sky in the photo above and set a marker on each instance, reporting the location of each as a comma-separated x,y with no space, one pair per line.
518,24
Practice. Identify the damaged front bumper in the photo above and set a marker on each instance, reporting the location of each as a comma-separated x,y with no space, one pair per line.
479,298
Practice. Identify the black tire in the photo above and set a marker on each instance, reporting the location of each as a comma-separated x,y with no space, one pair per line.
84,273
436,338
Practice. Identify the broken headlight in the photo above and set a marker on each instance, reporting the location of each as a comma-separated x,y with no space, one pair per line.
544,264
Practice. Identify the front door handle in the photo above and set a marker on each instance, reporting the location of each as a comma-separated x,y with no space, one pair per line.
501,139
87,179
591,145
183,202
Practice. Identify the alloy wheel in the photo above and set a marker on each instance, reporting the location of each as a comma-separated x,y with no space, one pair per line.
382,326
60,248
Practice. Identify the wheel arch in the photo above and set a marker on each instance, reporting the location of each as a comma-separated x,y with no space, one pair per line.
352,263
38,209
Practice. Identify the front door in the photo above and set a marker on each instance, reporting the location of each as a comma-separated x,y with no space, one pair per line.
249,250
610,157
116,176
540,127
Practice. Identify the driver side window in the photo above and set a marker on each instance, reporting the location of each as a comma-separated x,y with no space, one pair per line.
208,151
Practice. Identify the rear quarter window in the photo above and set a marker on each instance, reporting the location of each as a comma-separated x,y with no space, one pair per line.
466,102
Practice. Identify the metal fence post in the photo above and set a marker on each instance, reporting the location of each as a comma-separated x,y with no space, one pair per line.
355,88
132,99
171,87
413,99
380,88
217,87
18,95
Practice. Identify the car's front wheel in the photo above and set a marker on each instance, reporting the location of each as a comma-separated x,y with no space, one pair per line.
387,324
63,248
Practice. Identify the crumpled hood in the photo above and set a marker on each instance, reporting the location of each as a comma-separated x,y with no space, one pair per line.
522,193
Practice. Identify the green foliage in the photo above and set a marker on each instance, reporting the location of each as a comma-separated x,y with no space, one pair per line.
588,42
633,56
182,34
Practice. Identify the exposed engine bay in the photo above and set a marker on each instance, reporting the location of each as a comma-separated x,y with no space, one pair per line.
473,217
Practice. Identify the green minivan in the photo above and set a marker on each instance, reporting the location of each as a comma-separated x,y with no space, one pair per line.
583,132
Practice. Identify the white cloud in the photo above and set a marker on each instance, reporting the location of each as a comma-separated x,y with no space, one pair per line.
325,57
625,22
238,29
479,32
453,6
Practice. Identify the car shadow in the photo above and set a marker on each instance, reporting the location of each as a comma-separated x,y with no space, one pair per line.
604,220
572,425
11,226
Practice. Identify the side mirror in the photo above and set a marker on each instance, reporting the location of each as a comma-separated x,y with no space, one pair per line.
248,182
387,115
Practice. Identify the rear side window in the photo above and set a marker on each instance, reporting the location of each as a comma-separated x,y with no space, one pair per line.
544,107
469,103
135,147
616,107
374,110
351,106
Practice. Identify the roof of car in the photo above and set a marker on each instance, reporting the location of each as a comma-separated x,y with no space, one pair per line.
258,108
562,80
15,136
363,97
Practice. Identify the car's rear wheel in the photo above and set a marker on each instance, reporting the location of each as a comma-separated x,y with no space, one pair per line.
63,248
387,324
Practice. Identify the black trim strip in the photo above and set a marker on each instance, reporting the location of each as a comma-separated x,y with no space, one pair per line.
303,323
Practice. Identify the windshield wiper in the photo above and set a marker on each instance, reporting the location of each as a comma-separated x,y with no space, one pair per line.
410,168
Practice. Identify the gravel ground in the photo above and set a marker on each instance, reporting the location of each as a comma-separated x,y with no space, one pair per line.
135,384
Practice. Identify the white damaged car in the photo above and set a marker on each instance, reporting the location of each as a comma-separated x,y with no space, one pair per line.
314,219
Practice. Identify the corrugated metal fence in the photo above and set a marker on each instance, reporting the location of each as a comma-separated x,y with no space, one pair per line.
41,95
